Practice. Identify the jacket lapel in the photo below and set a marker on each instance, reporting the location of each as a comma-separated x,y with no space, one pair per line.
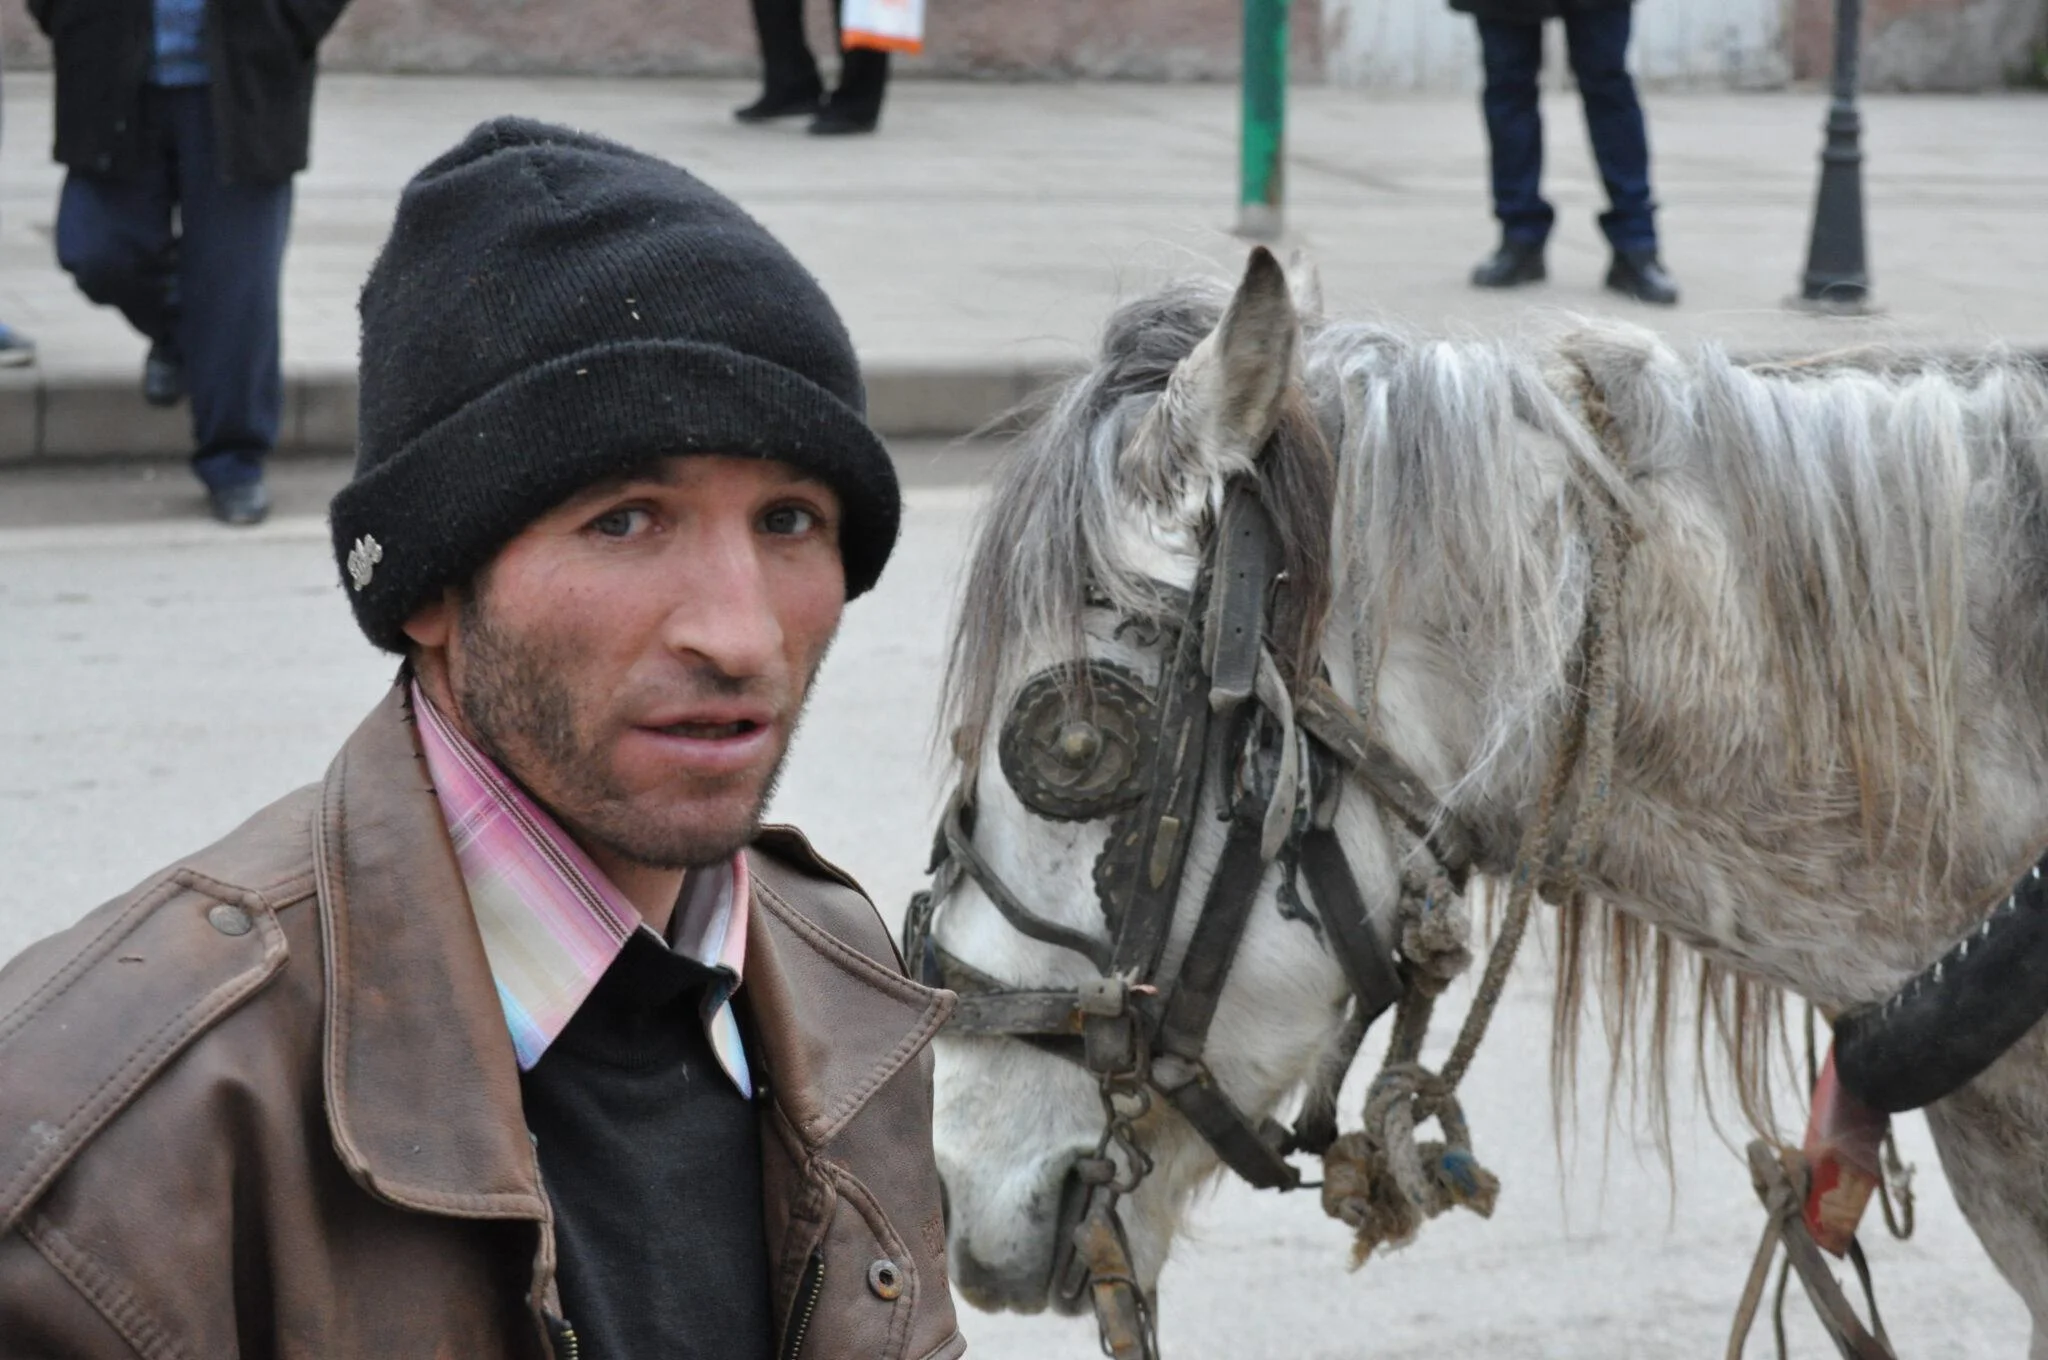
834,1025
422,1084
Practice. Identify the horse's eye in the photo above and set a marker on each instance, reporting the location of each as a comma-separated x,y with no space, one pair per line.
1078,741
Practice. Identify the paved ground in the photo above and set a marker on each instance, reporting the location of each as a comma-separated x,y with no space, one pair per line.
161,678
979,240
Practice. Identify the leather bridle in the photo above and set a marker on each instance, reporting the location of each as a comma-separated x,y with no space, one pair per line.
1220,718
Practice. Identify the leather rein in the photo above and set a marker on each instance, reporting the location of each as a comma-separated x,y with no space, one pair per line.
1221,717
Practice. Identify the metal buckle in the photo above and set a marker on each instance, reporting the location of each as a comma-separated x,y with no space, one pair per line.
1106,996
1109,1044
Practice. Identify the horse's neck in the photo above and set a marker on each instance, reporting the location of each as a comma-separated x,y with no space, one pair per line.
1832,872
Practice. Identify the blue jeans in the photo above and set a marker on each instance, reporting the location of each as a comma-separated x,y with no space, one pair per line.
1597,42
208,290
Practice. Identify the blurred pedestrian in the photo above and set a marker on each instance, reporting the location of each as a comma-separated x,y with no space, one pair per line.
1596,40
182,123
792,87
16,349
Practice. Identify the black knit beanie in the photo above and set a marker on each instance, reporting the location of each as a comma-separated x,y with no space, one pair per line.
552,309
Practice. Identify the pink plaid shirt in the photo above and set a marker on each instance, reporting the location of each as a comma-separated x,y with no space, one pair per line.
551,921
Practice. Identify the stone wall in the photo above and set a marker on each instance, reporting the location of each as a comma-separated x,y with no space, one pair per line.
1381,44
1136,39
1927,44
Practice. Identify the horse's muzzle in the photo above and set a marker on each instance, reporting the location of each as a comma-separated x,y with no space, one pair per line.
1019,1276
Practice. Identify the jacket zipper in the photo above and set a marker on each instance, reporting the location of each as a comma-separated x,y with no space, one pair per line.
807,1291
563,1336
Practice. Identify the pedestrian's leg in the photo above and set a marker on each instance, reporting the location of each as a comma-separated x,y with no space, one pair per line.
789,73
232,256
114,239
1597,40
1513,57
856,104
863,76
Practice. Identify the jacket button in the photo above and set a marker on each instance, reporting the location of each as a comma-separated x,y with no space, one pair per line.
885,1279
234,921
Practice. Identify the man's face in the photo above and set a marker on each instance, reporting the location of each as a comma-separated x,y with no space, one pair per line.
638,658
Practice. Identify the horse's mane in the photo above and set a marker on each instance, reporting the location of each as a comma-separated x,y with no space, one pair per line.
1851,495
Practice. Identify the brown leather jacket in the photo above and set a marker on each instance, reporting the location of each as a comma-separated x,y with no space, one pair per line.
266,1105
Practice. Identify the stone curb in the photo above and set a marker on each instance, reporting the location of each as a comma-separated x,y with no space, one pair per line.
64,416
100,415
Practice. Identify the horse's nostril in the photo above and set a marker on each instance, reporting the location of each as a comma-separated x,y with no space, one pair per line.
945,1210
1069,1273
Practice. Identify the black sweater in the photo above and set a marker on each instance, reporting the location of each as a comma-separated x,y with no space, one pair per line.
652,1161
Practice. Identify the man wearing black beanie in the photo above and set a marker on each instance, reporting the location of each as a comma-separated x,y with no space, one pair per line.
519,1034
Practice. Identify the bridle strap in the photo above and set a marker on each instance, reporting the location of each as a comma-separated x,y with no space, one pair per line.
1198,986
1258,1154
1367,960
987,1008
1179,1072
1343,732
1155,848
1234,623
1027,921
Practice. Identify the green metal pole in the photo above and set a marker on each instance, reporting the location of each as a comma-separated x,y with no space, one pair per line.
1262,158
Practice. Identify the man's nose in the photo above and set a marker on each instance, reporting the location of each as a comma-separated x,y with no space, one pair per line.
725,613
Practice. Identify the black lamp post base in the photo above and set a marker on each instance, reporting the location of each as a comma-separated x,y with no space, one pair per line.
1840,302
1837,274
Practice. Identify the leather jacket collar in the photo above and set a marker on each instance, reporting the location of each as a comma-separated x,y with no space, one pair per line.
422,1086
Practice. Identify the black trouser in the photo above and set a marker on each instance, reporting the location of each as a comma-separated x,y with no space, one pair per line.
206,287
1597,41
789,69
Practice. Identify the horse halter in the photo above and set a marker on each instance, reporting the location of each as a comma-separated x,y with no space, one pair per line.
1089,742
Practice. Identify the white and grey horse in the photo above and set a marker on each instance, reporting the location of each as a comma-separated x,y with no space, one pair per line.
1832,740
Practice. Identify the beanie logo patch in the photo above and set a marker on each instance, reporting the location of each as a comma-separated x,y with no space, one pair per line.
363,560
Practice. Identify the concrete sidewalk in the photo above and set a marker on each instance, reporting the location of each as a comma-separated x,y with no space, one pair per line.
977,243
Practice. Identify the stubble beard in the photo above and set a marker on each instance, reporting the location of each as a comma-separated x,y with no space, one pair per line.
524,716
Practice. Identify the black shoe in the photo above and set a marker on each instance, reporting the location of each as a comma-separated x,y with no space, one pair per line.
1641,275
1514,264
838,121
241,504
781,106
163,376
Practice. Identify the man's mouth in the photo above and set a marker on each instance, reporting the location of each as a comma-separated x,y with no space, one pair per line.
707,731
712,741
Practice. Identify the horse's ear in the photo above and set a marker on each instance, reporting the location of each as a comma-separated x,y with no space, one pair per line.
1224,400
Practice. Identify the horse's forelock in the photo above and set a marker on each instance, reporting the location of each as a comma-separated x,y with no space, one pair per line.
1050,532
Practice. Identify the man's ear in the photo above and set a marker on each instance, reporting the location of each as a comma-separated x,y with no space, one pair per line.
433,623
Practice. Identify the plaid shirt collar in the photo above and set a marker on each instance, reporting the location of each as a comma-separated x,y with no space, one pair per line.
551,921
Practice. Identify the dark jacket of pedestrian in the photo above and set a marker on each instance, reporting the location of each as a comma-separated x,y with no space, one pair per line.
266,1103
261,54
1530,11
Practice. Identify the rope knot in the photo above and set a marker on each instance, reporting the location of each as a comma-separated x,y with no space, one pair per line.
1435,930
1384,1184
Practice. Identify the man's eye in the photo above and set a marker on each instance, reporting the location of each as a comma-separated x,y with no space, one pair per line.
789,519
621,523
